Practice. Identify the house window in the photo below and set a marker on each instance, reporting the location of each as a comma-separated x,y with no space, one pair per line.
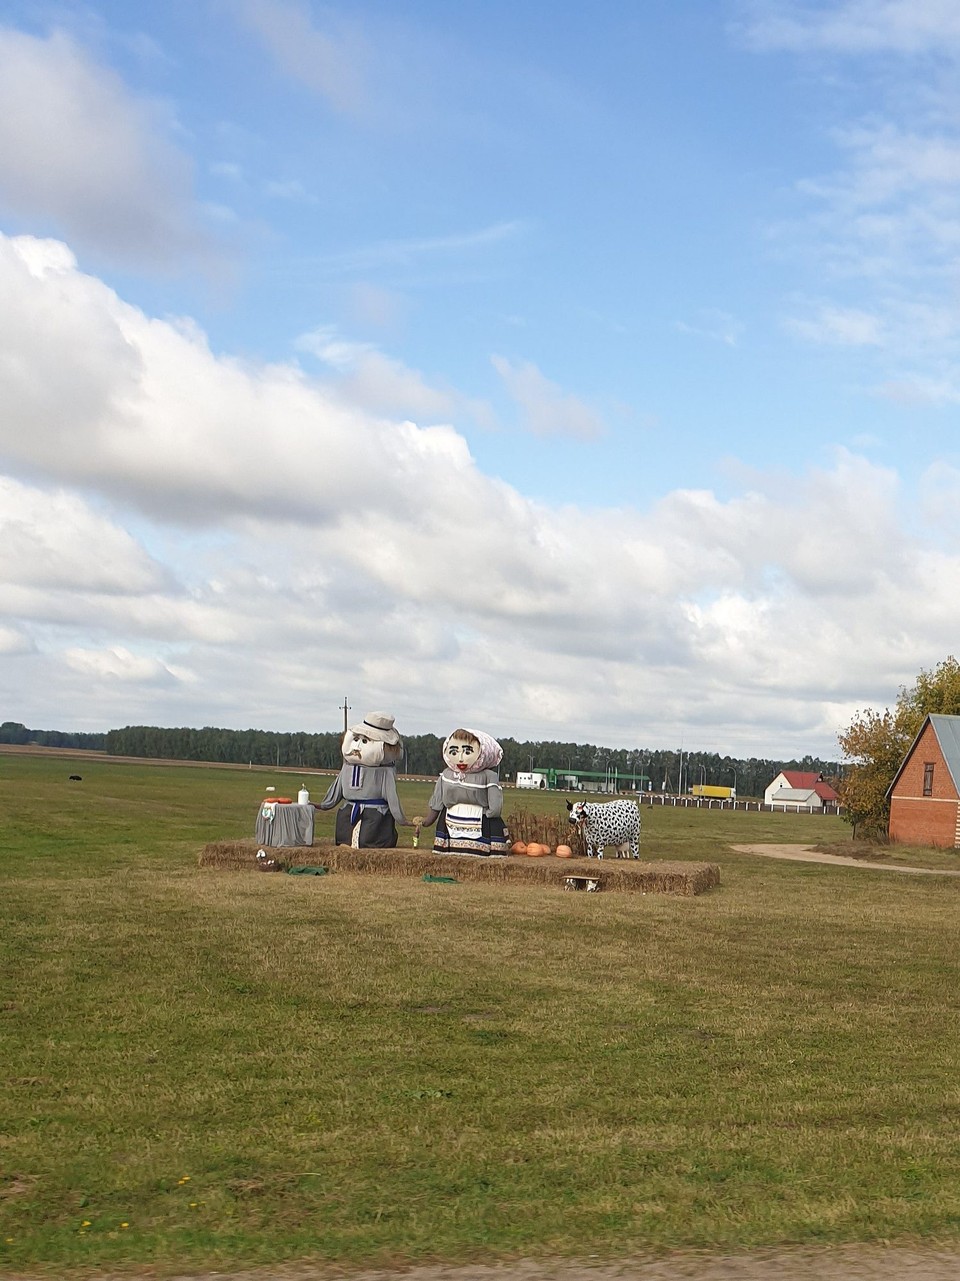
928,778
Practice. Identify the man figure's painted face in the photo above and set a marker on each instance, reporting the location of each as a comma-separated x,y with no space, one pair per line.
357,749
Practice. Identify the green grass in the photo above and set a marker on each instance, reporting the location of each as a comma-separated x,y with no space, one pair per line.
244,1068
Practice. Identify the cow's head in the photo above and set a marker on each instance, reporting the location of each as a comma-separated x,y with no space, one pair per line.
577,812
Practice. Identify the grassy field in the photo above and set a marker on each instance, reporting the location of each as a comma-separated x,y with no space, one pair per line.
217,1069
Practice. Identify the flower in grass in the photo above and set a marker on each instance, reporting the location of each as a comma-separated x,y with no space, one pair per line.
124,1225
185,1179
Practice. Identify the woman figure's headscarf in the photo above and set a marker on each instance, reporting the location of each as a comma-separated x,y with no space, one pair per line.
491,753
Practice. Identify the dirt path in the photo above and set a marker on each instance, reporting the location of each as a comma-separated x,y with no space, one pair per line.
806,854
842,1263
853,1264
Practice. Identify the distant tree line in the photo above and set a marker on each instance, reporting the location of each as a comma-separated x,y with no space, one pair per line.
14,732
658,770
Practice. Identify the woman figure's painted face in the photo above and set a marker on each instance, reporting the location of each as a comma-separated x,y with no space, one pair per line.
462,754
360,750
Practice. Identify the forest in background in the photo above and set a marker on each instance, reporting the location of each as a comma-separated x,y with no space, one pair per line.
659,769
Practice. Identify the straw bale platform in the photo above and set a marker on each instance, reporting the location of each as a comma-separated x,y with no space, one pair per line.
628,875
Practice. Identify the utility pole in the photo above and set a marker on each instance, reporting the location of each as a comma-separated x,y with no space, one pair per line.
345,709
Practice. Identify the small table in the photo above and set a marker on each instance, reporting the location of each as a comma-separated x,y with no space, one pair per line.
284,824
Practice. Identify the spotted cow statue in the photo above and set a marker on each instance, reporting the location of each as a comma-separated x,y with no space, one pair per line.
613,823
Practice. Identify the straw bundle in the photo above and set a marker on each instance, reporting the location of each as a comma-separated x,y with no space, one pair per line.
626,875
545,829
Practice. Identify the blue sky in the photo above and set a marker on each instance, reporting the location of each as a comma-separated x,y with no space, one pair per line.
575,371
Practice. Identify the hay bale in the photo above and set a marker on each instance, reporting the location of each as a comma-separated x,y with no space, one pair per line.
229,854
623,875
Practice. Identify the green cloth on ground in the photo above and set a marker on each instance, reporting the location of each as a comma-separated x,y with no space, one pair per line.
308,871
445,880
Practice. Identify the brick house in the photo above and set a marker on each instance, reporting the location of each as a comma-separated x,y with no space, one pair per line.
925,794
797,788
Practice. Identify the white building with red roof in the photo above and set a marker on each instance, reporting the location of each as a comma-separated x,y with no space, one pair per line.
797,789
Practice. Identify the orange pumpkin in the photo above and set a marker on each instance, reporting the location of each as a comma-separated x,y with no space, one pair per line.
518,847
537,851
564,851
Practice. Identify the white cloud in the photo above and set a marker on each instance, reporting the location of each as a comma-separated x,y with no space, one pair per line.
52,540
373,381
331,62
882,229
917,391
140,409
80,152
326,344
413,250
719,326
120,664
229,170
889,216
371,304
889,161
854,26
289,189
939,499
385,385
197,540
547,409
14,641
839,326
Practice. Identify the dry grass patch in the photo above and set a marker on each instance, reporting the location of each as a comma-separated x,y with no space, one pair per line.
929,857
366,1070
870,853
624,875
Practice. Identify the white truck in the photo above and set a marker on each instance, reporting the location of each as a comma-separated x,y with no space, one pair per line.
531,780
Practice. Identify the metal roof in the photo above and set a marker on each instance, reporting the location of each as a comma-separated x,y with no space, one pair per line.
801,794
947,730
